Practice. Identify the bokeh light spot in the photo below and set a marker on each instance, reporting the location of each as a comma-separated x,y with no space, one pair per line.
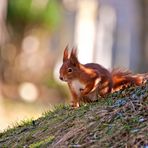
28,92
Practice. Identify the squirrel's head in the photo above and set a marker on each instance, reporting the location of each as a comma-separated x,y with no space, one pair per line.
70,67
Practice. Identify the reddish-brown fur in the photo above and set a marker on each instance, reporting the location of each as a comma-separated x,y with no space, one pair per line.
122,78
88,81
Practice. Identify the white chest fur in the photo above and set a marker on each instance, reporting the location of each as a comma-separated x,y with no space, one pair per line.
77,85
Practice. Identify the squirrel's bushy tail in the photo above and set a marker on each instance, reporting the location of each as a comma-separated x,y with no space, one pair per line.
122,78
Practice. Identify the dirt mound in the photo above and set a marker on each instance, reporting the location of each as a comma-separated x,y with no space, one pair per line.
119,120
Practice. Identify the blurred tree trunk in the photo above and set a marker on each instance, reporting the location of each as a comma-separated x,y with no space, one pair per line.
3,38
144,37
3,33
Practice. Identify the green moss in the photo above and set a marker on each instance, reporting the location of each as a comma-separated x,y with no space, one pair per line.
42,142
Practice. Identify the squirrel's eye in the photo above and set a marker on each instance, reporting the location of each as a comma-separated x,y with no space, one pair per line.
69,70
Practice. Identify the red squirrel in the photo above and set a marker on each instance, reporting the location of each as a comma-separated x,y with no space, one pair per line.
88,81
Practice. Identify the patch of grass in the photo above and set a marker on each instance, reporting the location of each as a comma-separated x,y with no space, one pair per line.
55,109
42,142
115,121
17,125
109,102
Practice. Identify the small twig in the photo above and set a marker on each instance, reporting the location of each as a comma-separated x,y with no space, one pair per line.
133,106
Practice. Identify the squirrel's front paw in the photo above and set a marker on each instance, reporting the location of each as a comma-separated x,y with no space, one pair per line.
74,104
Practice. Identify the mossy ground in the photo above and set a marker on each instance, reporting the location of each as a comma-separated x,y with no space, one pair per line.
119,120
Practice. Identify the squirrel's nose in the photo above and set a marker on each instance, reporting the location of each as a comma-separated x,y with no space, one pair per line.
61,78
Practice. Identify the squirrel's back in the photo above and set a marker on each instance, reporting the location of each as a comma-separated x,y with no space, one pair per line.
106,78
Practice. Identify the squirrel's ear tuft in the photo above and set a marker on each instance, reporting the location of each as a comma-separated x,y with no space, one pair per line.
65,55
73,57
74,52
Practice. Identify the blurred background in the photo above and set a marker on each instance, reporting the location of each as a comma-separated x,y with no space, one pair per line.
33,34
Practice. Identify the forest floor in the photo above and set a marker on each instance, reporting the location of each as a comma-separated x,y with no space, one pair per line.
119,120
